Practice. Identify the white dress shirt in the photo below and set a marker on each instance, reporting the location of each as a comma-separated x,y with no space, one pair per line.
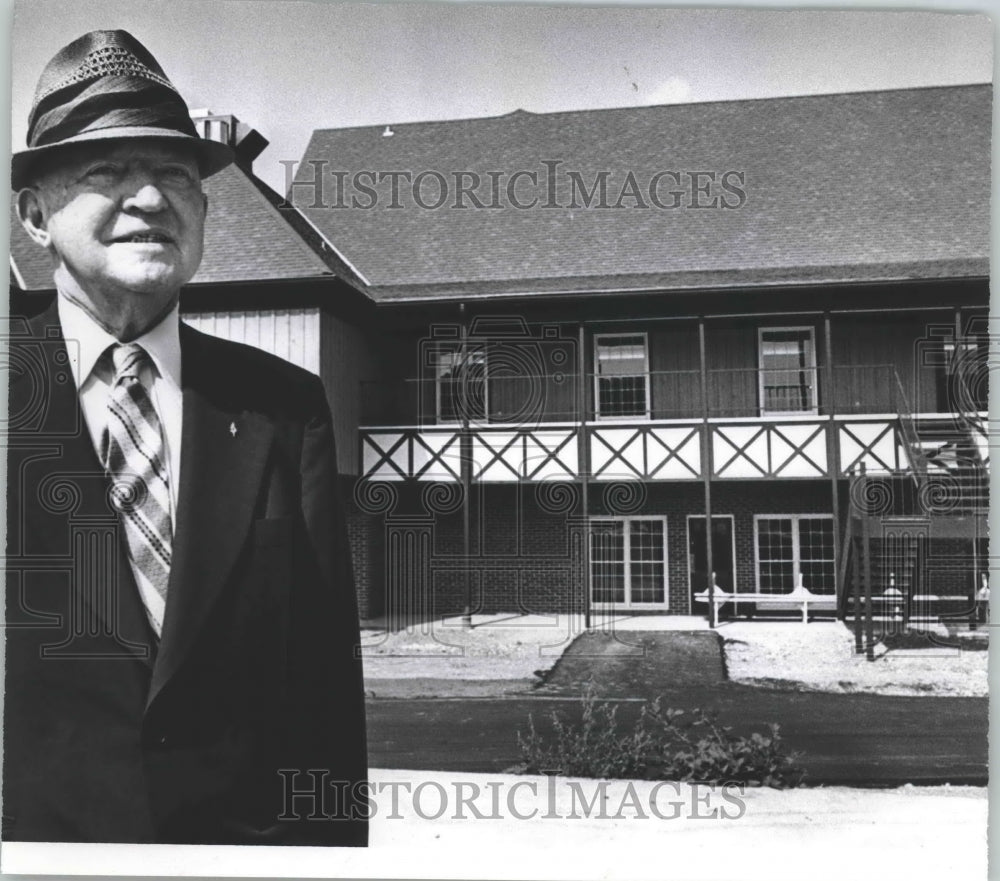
86,341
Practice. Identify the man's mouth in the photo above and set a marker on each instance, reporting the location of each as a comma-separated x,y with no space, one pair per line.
144,239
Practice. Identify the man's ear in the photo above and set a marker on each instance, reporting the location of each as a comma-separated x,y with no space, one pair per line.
32,217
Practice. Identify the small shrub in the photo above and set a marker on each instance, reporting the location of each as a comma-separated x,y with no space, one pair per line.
692,745
592,749
664,744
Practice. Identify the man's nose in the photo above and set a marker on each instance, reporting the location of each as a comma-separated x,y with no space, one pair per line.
142,193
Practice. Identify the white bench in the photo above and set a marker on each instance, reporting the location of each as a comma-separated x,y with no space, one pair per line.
800,596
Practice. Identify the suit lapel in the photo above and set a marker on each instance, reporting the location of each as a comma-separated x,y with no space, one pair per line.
57,435
221,473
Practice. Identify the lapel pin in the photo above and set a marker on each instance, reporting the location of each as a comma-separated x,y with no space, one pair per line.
232,429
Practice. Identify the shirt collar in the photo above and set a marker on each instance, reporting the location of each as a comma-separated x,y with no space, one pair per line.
86,341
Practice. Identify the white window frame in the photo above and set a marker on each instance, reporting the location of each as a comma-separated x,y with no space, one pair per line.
598,338
627,563
473,350
796,555
732,535
813,369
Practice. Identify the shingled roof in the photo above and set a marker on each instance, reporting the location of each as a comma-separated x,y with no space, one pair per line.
248,238
866,186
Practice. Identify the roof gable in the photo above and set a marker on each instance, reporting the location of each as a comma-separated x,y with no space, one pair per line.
859,186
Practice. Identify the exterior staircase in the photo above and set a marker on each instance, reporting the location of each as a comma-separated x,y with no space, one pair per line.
954,453
915,547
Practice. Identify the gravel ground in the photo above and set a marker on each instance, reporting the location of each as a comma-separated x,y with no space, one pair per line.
504,648
820,657
507,650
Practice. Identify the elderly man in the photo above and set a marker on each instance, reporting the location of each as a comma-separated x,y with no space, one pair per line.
181,649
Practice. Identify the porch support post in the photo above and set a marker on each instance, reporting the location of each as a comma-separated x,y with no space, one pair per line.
960,420
866,565
974,604
951,369
706,473
855,552
832,457
465,448
583,463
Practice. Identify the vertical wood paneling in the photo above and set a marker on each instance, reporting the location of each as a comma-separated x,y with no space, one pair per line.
296,337
311,346
292,334
731,355
675,382
900,341
282,333
298,333
559,358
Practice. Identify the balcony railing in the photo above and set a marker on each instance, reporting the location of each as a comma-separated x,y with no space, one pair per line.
831,422
525,400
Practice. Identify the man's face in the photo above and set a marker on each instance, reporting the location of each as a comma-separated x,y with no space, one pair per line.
125,218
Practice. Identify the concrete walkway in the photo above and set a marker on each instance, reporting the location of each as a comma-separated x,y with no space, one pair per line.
637,664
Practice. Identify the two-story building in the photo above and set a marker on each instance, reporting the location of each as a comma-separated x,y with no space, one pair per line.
599,331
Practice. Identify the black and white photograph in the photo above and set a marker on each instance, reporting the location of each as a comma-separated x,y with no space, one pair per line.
497,441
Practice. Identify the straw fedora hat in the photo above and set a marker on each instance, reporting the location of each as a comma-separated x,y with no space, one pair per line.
106,86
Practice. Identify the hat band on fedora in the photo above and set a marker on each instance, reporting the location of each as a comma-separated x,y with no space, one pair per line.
104,62
127,102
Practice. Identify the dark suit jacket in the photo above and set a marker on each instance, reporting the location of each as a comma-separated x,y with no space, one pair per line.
113,736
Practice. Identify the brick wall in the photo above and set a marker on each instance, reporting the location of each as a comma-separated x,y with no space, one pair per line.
525,551
949,566
527,541
365,533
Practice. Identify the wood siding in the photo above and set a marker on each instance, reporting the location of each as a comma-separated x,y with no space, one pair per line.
292,334
675,367
866,340
731,355
869,351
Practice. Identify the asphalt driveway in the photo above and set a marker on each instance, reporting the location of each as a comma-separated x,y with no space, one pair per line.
848,739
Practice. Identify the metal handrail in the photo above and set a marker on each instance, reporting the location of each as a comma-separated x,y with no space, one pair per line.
916,462
845,551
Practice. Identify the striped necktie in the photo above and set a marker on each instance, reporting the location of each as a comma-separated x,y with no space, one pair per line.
135,459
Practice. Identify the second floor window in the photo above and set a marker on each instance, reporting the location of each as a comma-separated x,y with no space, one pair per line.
461,384
787,370
622,376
